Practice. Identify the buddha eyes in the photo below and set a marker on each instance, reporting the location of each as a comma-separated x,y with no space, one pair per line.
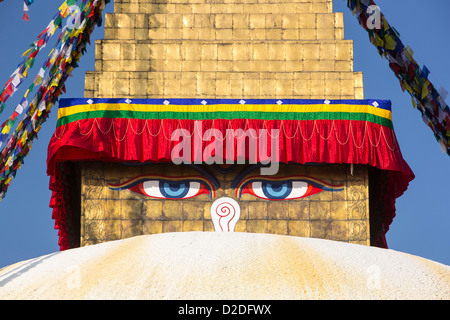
280,190
263,187
285,188
163,187
170,189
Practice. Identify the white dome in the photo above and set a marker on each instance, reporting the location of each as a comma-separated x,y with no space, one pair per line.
209,265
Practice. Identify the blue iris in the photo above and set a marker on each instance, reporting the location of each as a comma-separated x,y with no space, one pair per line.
173,190
276,190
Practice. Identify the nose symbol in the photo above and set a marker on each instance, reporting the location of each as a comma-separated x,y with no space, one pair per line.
225,213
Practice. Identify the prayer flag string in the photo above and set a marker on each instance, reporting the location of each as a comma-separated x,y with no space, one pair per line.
81,17
414,79
26,3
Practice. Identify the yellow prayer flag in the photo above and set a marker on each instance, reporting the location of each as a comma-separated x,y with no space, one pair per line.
425,90
5,129
7,181
408,88
26,52
80,30
386,25
23,140
63,10
390,43
414,102
38,80
377,41
63,6
8,161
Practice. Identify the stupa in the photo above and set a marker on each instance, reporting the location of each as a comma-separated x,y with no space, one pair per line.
255,103
224,150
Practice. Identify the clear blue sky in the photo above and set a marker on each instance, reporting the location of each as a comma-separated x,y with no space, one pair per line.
421,226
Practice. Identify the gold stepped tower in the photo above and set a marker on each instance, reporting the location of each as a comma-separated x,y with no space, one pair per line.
224,49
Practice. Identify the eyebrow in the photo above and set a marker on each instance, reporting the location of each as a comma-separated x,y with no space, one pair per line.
243,173
196,167
206,173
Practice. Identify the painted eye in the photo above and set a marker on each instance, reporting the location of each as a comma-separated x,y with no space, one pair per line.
167,187
170,189
283,188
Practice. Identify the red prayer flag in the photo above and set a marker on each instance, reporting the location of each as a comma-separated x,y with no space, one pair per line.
8,89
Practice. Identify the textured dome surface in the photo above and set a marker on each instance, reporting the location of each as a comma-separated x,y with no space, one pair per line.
209,265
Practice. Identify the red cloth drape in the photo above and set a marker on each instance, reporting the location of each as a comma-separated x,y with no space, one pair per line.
300,141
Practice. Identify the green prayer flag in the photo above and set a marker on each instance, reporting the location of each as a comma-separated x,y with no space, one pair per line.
58,21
